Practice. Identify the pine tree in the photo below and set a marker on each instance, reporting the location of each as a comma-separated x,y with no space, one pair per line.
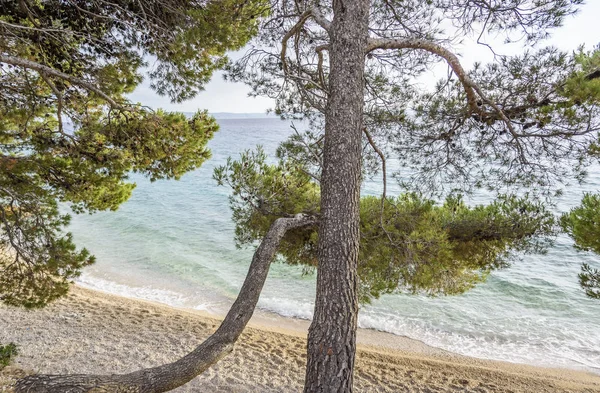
583,222
68,133
349,69
583,225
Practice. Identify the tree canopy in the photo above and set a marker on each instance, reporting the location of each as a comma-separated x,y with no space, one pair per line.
523,122
407,242
583,225
68,132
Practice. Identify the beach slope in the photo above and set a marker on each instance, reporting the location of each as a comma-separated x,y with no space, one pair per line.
94,332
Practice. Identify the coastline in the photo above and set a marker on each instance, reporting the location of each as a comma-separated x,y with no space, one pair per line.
96,332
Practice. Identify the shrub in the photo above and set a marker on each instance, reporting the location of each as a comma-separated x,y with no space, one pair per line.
7,354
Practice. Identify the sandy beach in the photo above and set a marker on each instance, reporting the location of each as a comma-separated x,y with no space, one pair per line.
94,332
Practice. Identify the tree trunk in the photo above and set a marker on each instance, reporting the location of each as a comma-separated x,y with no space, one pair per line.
332,334
169,376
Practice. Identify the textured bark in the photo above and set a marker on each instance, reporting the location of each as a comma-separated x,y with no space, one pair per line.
332,334
169,376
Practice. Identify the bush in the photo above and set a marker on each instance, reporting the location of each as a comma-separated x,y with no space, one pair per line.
7,354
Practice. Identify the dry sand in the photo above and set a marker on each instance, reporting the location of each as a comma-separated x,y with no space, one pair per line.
93,332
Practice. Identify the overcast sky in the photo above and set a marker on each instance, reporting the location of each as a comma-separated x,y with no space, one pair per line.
221,96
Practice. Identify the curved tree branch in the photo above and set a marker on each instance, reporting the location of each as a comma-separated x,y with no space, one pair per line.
317,16
303,18
319,49
169,376
432,47
472,90
43,69
320,19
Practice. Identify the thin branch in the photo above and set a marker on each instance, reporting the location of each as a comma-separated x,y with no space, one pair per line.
432,47
317,16
320,19
17,61
315,155
59,98
383,163
384,193
319,49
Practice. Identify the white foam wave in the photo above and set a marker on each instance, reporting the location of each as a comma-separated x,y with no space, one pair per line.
164,296
287,307
529,348
486,345
202,307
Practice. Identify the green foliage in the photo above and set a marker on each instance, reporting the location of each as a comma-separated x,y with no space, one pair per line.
69,134
198,50
582,224
7,354
446,249
590,281
528,121
584,85
409,244
262,192
100,39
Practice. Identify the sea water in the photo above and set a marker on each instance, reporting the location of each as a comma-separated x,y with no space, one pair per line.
173,242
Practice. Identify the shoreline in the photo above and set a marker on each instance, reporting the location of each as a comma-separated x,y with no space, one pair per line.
271,321
96,332
369,337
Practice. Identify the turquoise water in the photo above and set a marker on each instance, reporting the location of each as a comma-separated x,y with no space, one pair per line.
173,242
